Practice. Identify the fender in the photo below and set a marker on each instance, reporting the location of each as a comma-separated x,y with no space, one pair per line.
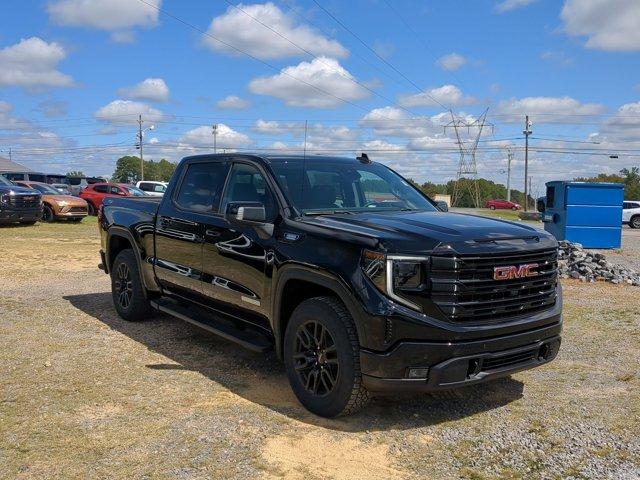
146,272
321,278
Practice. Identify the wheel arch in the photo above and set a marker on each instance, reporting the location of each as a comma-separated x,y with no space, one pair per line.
118,239
298,283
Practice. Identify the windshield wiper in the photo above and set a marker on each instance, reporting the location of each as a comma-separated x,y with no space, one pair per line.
329,212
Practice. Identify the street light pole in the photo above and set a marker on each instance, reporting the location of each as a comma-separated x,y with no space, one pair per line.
509,160
214,130
140,147
527,131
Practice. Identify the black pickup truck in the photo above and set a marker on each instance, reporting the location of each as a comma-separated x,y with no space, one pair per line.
19,204
353,276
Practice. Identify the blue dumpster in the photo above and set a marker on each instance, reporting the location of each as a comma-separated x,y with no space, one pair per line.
586,213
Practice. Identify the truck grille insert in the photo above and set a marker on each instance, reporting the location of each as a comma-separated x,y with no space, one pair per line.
465,291
24,201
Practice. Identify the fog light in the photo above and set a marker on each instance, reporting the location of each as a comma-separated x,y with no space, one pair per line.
418,372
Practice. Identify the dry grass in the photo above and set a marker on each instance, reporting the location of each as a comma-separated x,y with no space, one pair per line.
84,394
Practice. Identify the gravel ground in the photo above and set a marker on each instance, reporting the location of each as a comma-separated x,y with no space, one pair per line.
84,394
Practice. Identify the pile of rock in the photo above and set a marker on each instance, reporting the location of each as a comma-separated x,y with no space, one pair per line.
576,262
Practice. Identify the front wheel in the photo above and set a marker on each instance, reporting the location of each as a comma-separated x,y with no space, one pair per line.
47,214
514,208
492,207
91,210
127,290
322,358
635,221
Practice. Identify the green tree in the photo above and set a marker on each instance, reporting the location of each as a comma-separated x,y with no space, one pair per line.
629,177
128,170
76,173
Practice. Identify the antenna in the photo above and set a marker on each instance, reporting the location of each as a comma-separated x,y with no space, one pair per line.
467,167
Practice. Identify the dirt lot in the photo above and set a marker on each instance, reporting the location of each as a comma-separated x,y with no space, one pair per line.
86,395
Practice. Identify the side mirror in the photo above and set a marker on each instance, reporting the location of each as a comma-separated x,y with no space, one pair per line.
249,212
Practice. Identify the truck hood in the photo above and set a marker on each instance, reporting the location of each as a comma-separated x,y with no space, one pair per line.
16,190
423,232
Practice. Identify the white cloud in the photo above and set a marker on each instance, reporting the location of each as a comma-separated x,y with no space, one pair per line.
112,15
451,62
556,57
449,95
123,36
623,126
152,89
393,122
226,137
607,24
562,108
8,122
32,63
508,5
232,102
53,109
243,32
325,74
125,112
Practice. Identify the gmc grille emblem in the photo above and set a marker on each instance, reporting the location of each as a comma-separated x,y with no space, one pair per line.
509,272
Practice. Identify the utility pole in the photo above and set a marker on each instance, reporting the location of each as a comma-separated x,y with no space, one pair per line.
530,189
140,147
527,131
509,160
214,131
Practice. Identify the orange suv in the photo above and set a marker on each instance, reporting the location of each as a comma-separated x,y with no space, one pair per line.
57,206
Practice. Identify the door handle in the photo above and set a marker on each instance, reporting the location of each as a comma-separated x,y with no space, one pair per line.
164,222
212,233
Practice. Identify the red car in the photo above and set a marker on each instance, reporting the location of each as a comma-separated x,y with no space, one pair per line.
94,194
504,204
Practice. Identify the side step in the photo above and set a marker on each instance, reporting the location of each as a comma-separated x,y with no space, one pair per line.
246,338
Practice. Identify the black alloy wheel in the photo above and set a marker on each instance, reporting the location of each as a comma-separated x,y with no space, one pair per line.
47,214
316,358
635,221
124,286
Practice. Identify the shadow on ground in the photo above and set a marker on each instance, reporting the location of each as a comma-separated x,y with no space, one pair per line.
261,378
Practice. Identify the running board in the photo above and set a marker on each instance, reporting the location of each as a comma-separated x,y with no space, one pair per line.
246,338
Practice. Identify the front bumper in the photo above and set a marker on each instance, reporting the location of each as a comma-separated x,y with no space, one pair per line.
15,216
456,364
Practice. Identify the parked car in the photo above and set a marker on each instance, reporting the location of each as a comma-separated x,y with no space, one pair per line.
56,205
19,204
357,296
502,204
631,213
49,178
77,184
153,188
62,188
94,194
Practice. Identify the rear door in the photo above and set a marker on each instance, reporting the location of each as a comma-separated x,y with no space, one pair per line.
181,224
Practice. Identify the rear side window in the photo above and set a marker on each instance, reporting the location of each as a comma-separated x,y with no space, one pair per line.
101,188
201,187
35,177
551,194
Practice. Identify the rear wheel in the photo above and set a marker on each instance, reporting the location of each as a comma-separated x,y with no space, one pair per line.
127,290
492,207
91,210
635,221
322,358
47,214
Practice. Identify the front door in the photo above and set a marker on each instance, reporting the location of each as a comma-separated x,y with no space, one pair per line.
237,259
180,227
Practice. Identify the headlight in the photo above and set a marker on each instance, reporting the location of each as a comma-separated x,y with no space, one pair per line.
393,274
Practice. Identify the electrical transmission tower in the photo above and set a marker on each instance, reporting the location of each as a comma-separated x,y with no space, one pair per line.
467,168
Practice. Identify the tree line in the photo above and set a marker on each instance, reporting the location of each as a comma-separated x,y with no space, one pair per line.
128,170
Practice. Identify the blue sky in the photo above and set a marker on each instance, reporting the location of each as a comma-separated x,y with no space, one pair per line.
74,74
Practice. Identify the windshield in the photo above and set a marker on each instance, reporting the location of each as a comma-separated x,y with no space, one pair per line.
136,192
46,189
339,186
4,181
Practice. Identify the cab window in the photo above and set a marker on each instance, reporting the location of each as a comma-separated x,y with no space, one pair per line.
201,187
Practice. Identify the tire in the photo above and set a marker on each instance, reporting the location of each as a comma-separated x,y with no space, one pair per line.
31,222
492,207
322,358
91,210
634,222
514,208
47,214
127,291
